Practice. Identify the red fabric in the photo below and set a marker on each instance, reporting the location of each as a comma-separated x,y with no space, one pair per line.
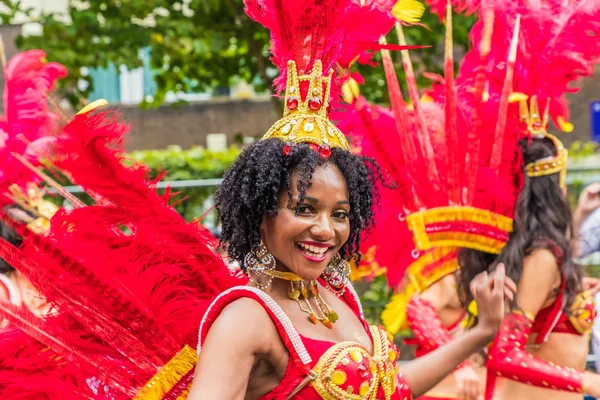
507,358
547,321
430,332
297,371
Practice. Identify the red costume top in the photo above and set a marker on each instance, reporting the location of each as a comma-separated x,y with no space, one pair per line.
507,357
320,369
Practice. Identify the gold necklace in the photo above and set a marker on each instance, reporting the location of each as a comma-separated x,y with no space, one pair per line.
302,294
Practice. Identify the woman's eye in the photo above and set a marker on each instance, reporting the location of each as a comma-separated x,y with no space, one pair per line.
302,209
340,214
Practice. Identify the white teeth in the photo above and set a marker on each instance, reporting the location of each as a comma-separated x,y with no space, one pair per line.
313,249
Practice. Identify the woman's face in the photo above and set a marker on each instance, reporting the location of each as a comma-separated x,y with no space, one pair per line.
304,244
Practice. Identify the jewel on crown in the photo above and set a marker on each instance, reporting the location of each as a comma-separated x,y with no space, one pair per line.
305,117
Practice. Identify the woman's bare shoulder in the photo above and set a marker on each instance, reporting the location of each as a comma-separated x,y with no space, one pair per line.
244,320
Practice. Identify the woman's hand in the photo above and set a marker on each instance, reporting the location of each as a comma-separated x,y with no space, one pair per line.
489,292
591,285
591,384
468,383
589,200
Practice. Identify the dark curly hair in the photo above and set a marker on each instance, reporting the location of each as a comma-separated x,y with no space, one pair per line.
250,191
542,215
11,237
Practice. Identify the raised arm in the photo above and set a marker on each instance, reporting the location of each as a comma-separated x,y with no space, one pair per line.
488,292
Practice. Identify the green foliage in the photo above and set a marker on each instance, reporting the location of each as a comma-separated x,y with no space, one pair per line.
579,150
374,295
10,8
196,45
195,163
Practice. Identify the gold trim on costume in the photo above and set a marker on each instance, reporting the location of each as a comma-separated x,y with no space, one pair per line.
536,125
331,380
583,312
169,375
417,223
394,315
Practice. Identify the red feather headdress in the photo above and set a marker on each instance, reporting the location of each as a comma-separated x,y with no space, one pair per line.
466,198
128,281
308,39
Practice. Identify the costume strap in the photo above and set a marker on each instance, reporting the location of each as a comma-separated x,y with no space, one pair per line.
507,358
289,335
430,332
351,298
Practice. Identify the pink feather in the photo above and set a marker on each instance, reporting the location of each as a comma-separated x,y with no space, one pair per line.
558,46
27,117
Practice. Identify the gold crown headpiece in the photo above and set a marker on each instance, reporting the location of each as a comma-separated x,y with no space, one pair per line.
536,125
305,117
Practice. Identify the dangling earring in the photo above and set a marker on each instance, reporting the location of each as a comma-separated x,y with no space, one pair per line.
257,262
336,274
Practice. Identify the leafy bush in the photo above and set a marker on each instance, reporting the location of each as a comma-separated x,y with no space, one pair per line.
194,163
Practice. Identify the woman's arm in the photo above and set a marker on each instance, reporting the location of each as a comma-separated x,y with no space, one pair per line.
488,292
241,333
507,356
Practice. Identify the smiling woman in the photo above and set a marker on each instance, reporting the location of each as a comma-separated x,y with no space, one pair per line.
297,202
291,218
293,209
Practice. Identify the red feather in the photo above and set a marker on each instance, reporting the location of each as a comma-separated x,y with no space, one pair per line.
558,45
333,31
128,280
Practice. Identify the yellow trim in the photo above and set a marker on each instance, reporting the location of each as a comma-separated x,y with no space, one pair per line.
583,312
393,316
418,221
468,240
383,369
554,165
368,266
422,281
169,375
